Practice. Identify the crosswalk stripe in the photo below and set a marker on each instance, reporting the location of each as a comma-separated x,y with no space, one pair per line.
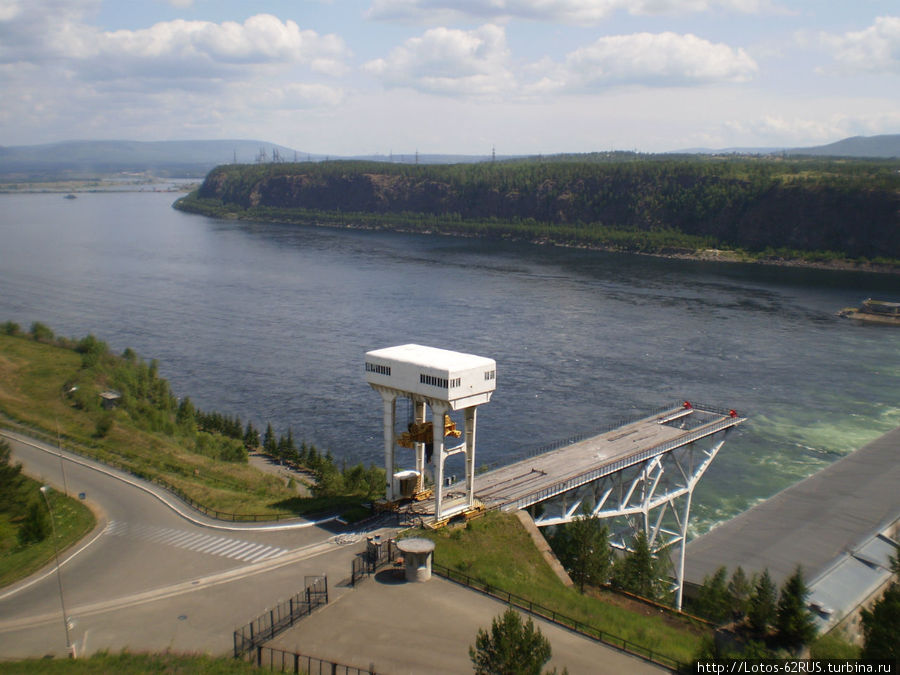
250,552
227,547
272,554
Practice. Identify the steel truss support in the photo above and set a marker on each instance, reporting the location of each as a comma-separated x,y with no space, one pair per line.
653,495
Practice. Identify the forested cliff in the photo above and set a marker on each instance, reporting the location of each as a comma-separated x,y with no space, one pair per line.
851,208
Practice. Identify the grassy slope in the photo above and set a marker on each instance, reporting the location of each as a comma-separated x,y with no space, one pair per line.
31,381
497,549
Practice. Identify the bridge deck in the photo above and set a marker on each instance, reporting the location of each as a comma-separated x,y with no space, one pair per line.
534,479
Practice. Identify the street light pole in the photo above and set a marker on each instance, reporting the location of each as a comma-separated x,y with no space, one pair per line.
44,490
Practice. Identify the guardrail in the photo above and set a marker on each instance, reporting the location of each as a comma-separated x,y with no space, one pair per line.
528,453
555,617
618,465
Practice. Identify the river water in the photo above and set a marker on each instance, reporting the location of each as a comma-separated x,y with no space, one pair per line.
271,322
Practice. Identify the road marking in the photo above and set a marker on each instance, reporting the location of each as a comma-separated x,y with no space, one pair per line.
226,547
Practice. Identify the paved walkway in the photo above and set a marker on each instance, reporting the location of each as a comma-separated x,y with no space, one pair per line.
426,629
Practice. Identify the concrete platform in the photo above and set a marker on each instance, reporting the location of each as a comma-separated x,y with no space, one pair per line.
811,523
405,628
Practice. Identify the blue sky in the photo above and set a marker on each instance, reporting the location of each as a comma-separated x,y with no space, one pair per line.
345,77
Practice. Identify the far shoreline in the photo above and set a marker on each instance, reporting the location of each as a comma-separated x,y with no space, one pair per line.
706,255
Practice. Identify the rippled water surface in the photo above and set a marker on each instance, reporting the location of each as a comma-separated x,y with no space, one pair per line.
271,322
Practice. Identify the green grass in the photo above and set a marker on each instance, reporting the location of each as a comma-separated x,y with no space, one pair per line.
125,663
73,520
833,646
496,549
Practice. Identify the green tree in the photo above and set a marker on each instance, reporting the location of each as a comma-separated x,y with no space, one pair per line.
91,350
270,443
36,525
740,588
881,623
251,437
103,426
41,332
793,620
186,415
10,479
713,599
761,611
583,547
640,572
510,648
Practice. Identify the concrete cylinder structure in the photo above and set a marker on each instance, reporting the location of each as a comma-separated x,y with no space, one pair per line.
417,557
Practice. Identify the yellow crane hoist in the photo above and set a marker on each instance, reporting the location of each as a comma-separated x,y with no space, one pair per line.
423,432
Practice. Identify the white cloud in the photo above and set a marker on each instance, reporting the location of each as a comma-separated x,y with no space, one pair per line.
873,50
9,9
178,49
31,29
449,61
649,59
38,33
560,11
477,63
57,71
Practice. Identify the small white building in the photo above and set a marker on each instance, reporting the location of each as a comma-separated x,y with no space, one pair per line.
444,381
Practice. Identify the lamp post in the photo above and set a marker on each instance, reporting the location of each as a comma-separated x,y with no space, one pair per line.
44,490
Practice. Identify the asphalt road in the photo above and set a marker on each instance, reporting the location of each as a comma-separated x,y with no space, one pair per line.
155,575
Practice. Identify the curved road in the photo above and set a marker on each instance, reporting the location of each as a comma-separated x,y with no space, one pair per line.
155,575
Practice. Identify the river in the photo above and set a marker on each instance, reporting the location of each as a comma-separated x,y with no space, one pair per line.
271,322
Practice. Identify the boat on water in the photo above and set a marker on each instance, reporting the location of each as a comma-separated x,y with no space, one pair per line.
874,311
70,196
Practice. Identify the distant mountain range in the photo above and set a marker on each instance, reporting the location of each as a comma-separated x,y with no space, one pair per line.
77,159
858,146
882,147
194,159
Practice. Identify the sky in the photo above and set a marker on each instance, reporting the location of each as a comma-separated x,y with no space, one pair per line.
353,77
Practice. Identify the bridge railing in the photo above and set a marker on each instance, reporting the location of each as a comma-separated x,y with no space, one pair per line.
620,422
619,464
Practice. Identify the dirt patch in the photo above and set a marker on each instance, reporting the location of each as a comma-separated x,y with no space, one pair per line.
303,482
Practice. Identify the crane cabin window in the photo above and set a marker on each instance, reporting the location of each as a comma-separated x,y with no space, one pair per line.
376,368
433,381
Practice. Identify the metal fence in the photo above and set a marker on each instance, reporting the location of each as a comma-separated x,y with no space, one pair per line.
250,638
553,616
279,661
377,555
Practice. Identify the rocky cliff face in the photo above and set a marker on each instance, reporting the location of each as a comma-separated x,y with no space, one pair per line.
751,214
